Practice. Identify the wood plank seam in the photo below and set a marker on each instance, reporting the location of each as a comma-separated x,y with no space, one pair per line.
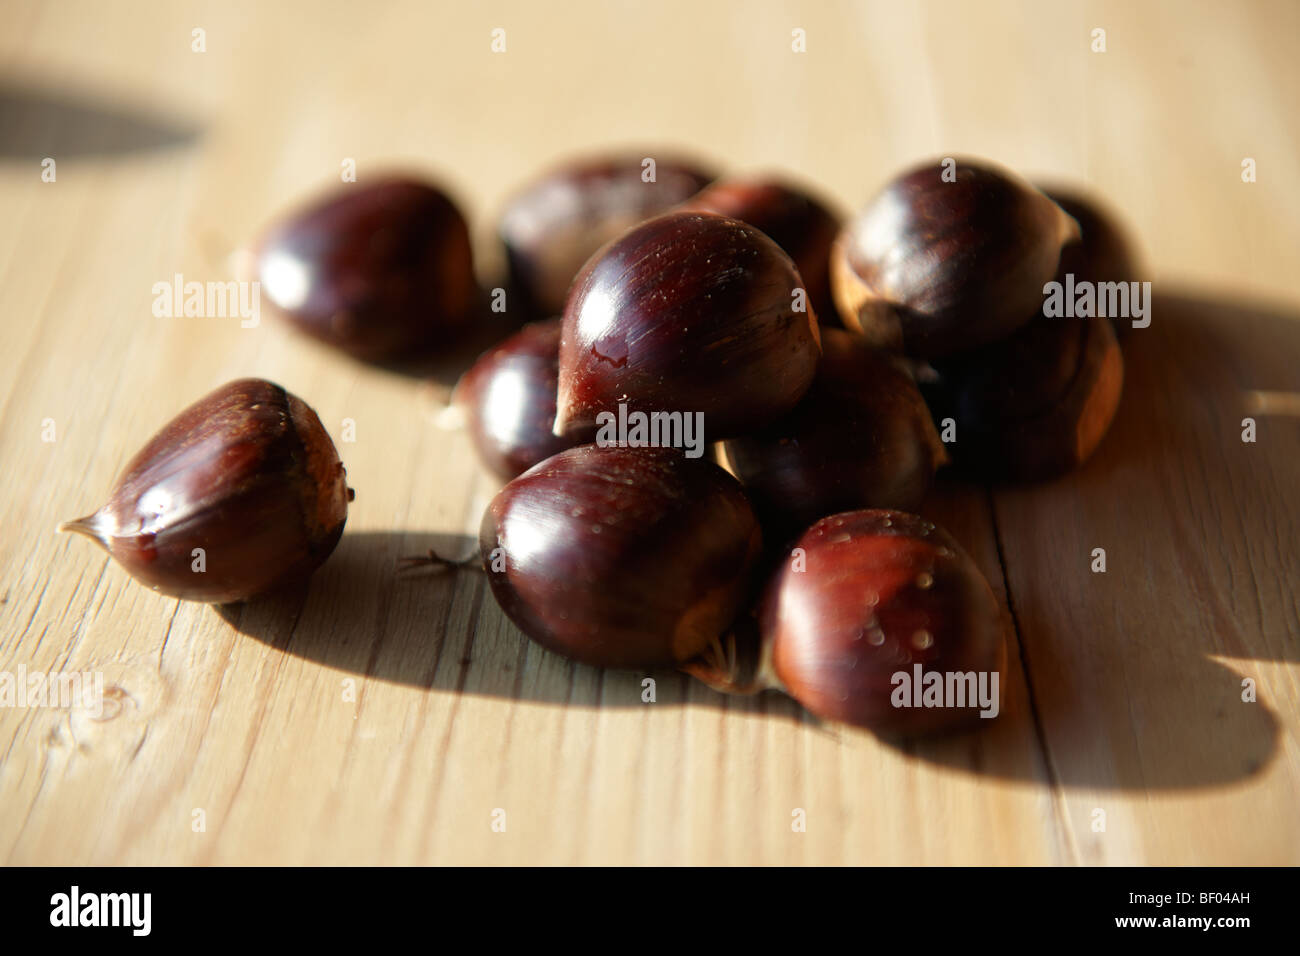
1066,834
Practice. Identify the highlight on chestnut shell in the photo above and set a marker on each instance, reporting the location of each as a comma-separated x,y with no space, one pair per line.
861,437
240,494
508,397
797,221
867,597
948,256
621,557
553,225
689,312
376,269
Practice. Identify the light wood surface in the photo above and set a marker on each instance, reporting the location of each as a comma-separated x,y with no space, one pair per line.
1124,692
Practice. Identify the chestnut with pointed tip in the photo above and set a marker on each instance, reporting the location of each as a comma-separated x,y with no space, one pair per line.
508,396
865,596
552,226
240,494
1034,405
621,557
798,222
377,269
937,263
689,312
861,437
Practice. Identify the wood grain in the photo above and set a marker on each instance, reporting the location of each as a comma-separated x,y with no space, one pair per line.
379,717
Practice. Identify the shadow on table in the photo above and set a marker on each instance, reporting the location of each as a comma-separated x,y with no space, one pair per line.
39,122
1186,378
1201,535
444,366
440,628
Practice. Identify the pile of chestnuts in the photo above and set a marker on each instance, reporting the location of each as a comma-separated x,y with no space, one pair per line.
834,365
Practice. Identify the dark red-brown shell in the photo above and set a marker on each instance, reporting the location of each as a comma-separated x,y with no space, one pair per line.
247,475
689,312
868,595
621,557
378,269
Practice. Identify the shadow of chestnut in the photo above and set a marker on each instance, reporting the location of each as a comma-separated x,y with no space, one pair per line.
440,628
36,122
1196,526
444,365
1105,706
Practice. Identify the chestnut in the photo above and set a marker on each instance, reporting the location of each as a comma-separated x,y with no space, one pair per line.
802,225
508,397
238,495
946,258
861,437
1104,251
872,610
621,557
689,312
377,270
552,226
1034,405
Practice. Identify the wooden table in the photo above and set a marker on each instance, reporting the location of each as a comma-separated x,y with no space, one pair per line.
385,718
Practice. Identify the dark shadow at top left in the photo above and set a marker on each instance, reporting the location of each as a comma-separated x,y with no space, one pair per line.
37,122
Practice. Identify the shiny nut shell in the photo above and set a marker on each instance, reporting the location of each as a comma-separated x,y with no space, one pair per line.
800,223
552,226
861,437
940,262
879,591
689,312
377,269
508,397
621,557
246,479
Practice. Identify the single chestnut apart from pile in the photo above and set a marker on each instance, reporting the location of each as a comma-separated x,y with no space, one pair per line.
240,494
689,312
621,557
378,269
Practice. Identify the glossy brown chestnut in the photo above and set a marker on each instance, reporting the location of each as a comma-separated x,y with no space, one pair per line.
879,592
508,397
860,438
936,267
689,312
1104,251
796,221
621,557
377,270
238,495
554,225
1034,405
